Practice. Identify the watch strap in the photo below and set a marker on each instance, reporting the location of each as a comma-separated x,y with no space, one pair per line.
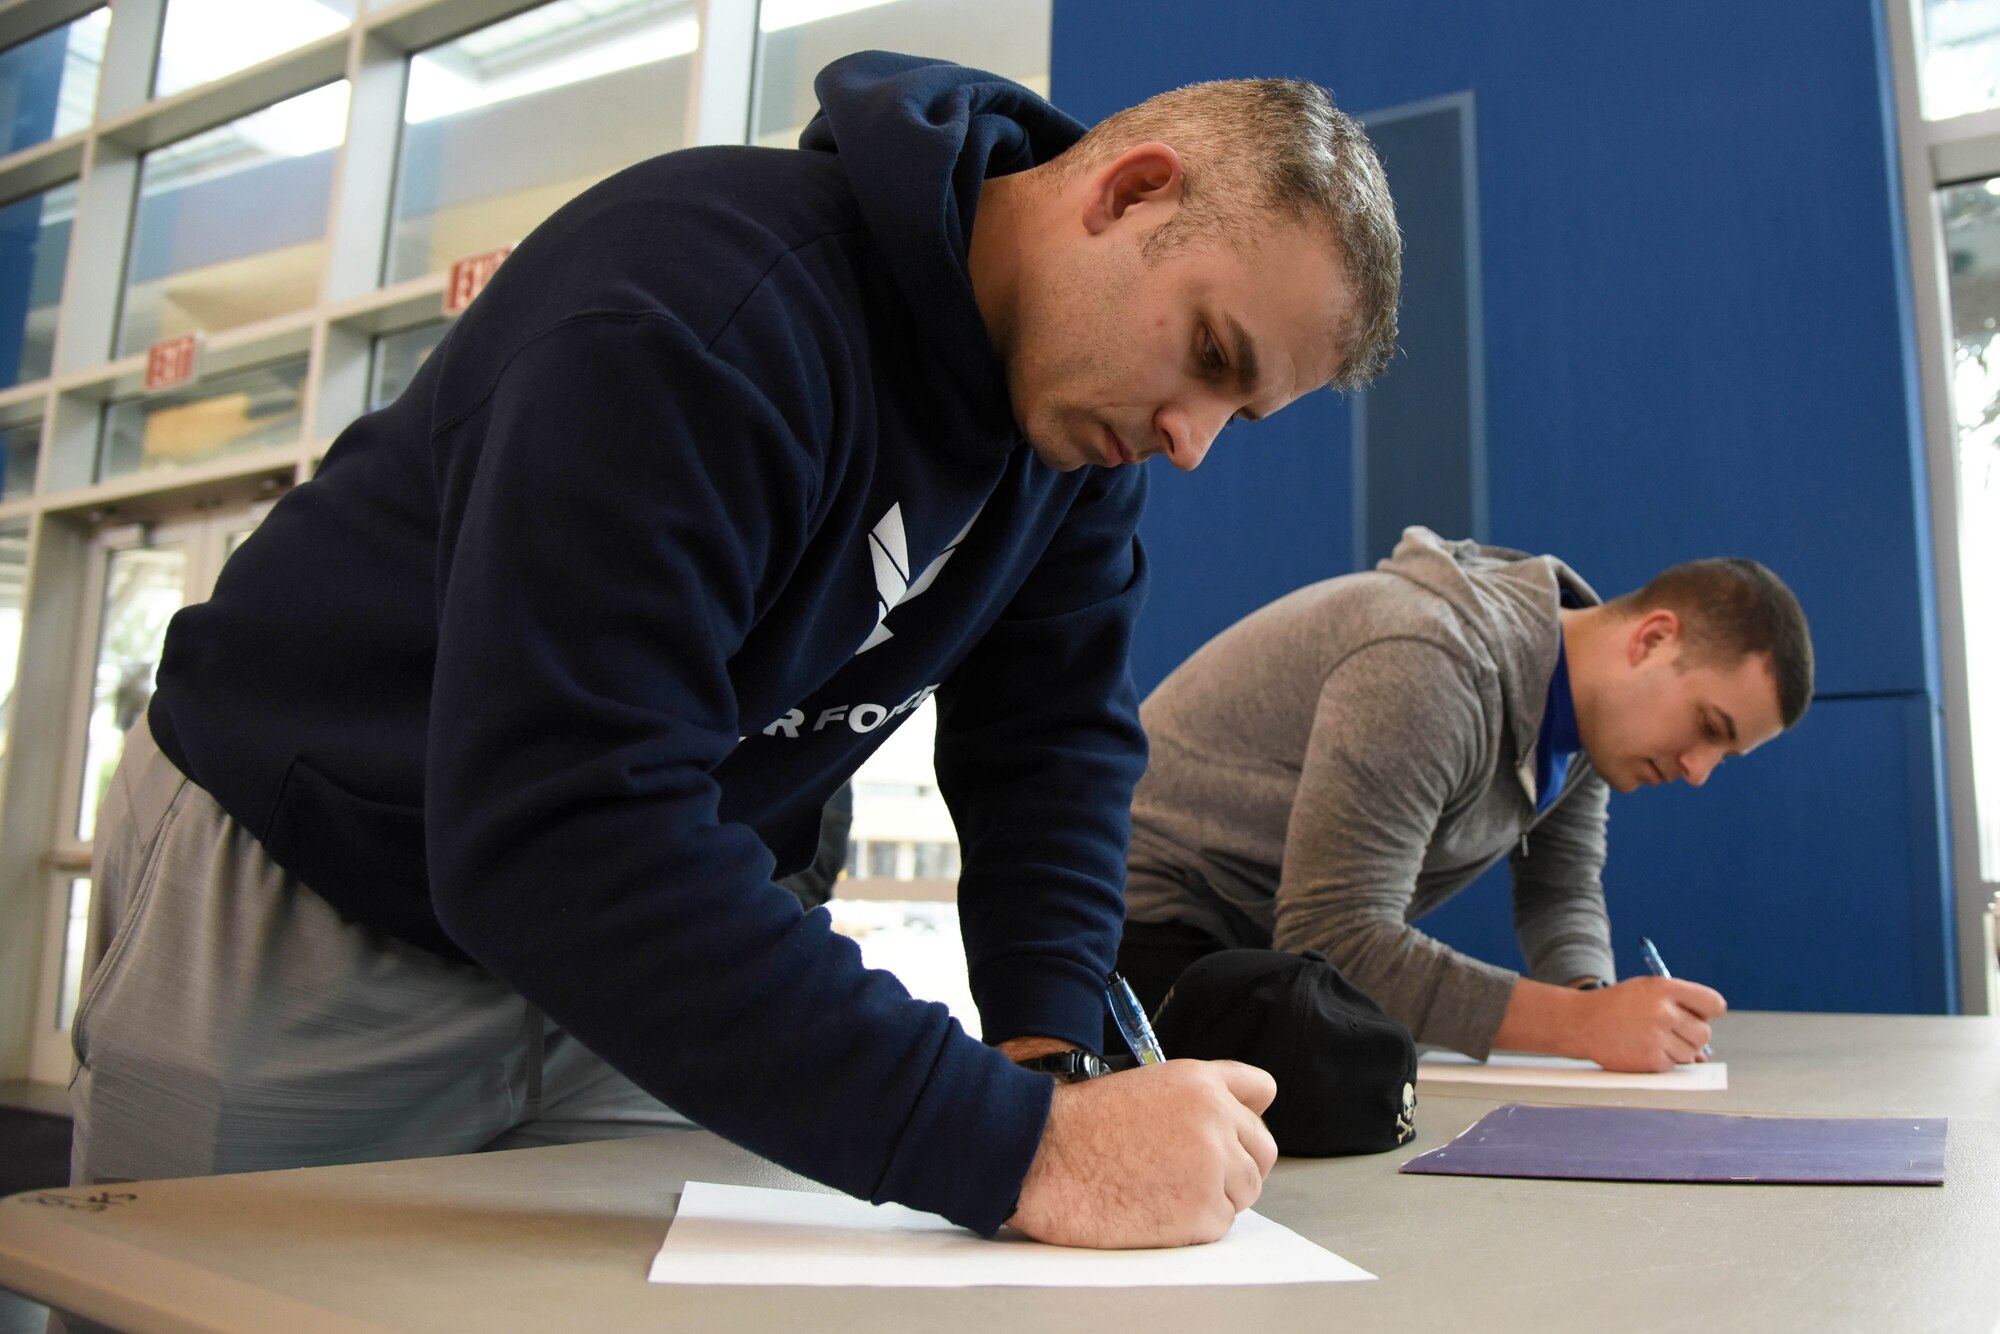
1070,1065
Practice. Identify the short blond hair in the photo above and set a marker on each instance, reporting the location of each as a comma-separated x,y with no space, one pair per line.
1256,151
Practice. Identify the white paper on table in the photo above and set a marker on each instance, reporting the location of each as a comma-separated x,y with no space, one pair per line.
755,1235
1507,1067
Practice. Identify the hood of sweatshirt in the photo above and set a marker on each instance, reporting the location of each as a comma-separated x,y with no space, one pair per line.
1507,598
918,139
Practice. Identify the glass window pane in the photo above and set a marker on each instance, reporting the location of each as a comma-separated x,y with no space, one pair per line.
899,814
142,591
937,861
34,248
75,931
227,414
1961,57
397,357
48,84
507,123
206,39
798,37
1972,240
20,446
231,224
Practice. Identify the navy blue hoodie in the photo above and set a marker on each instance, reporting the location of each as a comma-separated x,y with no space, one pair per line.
555,661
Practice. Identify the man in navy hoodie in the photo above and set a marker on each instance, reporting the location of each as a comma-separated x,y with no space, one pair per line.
455,821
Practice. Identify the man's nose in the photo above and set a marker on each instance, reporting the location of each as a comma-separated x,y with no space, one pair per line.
1698,764
1187,434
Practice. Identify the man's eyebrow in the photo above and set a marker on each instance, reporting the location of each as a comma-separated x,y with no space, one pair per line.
1246,363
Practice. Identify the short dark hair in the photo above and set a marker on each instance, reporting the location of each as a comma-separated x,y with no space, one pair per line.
1730,609
1278,148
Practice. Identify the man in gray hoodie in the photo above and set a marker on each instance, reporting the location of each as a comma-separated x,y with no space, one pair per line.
1344,760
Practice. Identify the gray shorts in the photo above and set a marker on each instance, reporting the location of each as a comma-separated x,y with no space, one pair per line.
232,1021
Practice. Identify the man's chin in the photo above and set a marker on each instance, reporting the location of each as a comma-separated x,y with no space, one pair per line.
1057,460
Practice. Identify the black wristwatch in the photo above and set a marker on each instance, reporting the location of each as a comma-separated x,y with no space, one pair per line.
1069,1066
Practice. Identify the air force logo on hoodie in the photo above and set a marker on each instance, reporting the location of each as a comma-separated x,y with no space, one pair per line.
894,585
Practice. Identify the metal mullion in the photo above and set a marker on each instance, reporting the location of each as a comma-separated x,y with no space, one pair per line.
13,396
44,448
358,224
94,272
424,23
724,72
131,50
25,20
182,115
42,167
365,170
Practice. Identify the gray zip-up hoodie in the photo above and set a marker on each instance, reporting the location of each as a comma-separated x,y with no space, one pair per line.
1342,761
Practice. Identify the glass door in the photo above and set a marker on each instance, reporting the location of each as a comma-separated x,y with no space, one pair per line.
139,576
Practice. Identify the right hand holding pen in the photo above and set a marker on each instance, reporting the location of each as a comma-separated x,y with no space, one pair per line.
1649,1023
1164,1155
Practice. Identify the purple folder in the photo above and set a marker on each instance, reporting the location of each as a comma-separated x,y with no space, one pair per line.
1642,1144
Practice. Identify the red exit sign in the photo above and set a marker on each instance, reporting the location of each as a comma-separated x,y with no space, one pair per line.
469,275
171,361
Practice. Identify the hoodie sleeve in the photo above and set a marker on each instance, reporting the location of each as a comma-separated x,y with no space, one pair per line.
1397,736
1039,747
1559,911
613,517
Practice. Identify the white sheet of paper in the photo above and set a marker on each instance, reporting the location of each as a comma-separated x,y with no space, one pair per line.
1506,1067
755,1235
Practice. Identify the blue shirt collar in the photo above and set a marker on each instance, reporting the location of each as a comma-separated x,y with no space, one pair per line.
1558,739
1559,734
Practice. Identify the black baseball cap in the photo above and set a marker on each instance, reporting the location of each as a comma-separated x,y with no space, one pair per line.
1346,1071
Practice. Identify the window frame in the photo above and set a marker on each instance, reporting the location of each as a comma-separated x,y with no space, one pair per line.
1934,155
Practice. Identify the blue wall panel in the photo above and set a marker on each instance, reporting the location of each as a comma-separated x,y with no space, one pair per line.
1268,510
1694,346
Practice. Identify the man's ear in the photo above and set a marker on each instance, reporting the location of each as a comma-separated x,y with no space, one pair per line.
1654,632
1144,175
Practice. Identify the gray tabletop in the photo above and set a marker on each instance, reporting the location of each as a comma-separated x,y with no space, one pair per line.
561,1238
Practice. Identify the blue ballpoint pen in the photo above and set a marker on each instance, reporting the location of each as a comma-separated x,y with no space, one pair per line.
1132,1021
1659,969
